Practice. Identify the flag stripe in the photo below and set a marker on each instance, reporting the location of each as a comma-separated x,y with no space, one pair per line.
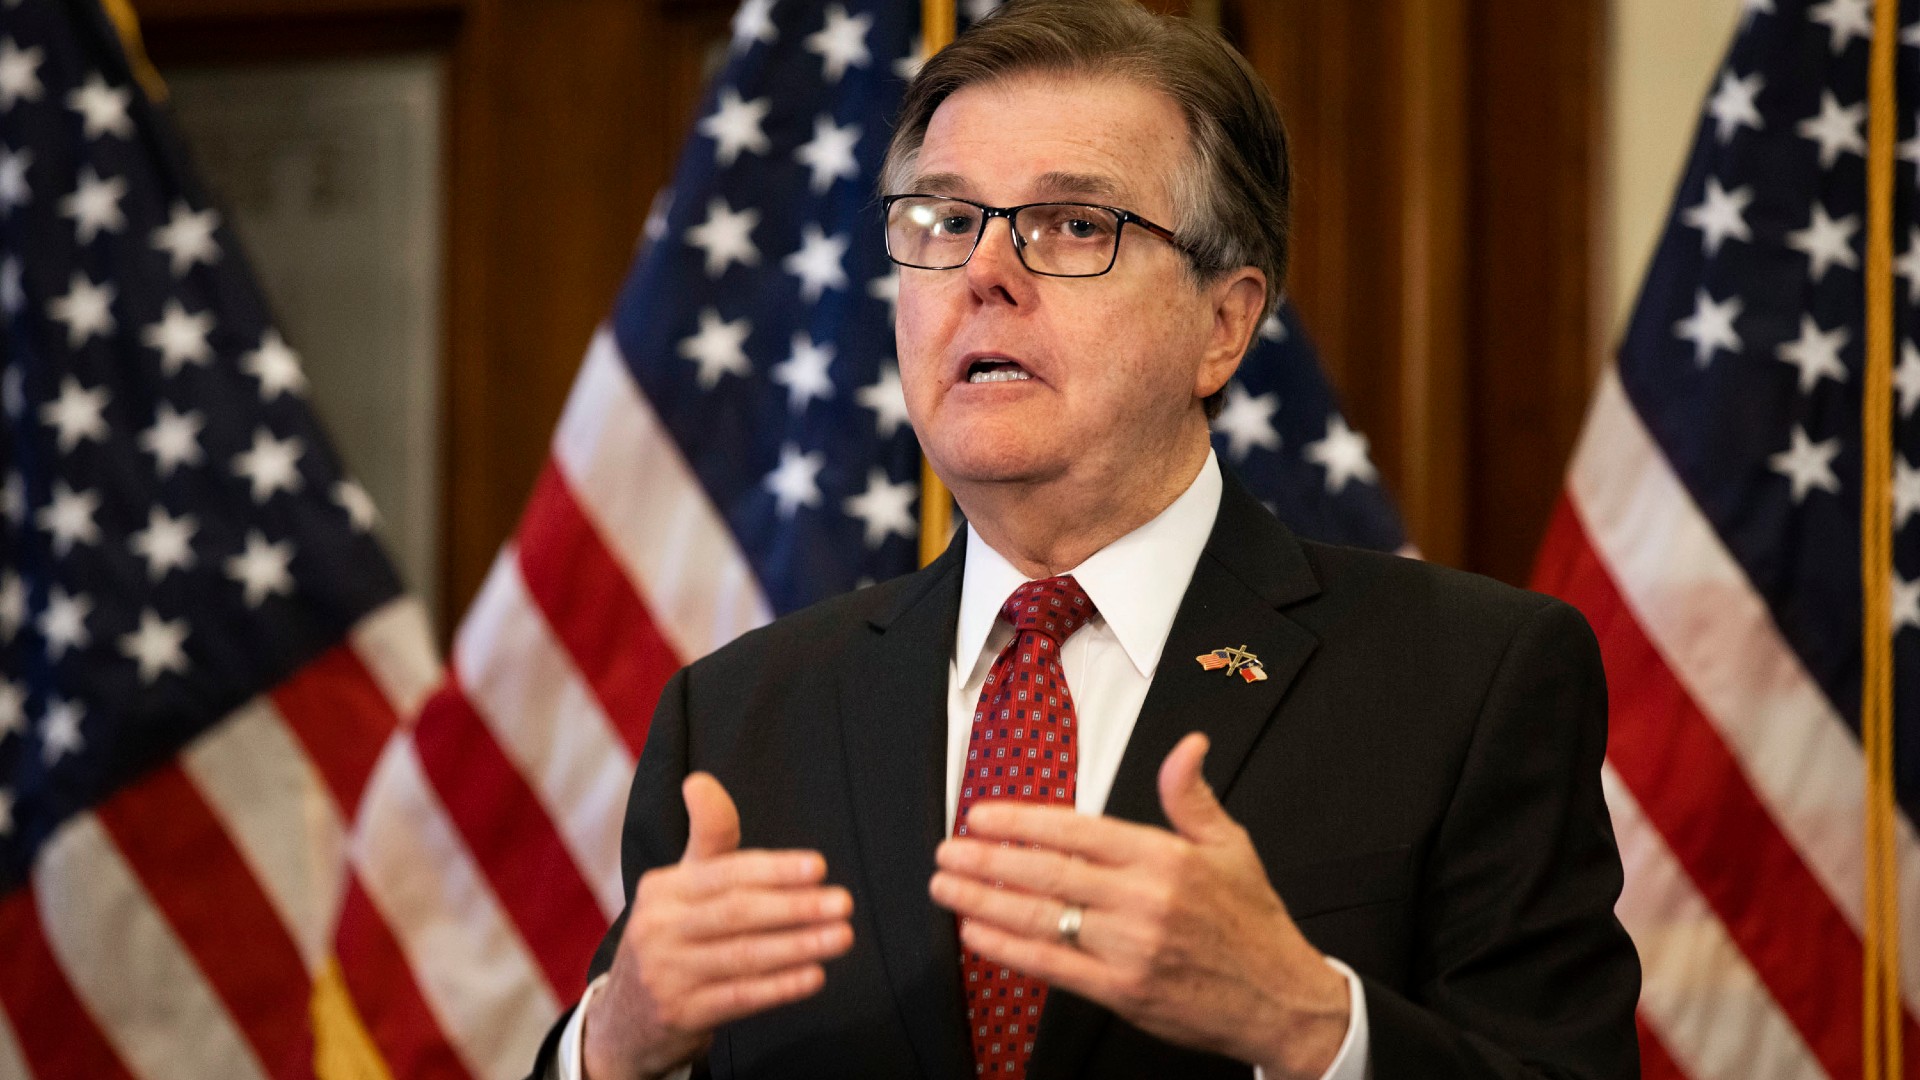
58,1036
1655,1062
1697,991
1695,605
395,644
12,1064
388,997
342,718
218,910
137,980
665,533
487,994
1693,792
592,608
523,686
510,838
274,805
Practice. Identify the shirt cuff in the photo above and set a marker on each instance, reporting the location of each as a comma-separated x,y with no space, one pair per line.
1354,1061
569,1062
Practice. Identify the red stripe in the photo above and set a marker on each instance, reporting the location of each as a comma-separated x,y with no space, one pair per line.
383,989
342,719
593,607
199,881
1655,1062
511,838
1696,794
57,1035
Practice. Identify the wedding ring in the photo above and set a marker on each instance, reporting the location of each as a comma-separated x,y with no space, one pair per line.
1069,924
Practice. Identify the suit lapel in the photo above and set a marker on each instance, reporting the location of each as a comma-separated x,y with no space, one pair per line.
1251,568
893,710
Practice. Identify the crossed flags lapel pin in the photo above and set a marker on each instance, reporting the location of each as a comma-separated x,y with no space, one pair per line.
1236,661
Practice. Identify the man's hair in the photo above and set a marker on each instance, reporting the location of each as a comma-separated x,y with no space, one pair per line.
1233,194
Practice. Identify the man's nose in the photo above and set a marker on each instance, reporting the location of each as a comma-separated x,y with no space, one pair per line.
995,267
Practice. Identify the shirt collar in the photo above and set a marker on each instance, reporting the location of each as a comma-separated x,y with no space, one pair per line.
1136,582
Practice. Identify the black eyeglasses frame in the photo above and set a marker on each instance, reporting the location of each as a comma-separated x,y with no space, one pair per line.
988,213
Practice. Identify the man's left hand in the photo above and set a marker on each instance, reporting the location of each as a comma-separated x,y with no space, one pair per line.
1182,935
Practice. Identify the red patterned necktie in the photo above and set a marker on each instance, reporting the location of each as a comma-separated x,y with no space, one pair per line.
1023,747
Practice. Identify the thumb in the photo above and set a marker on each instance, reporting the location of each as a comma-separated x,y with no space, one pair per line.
1189,803
713,825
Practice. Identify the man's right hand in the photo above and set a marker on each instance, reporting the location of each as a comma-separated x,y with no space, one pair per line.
722,934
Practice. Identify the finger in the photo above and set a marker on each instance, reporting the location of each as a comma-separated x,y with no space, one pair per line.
713,825
748,955
753,910
1102,840
1188,800
1050,961
1022,914
710,1006
1033,870
747,869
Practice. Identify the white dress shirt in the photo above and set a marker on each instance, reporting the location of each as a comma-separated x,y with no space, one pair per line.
1136,584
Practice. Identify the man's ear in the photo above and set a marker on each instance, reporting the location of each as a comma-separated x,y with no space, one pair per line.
1237,300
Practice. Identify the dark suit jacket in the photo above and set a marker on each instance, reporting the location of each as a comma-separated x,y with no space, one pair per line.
1420,773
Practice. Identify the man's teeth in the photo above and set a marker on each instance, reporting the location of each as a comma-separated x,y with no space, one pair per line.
998,375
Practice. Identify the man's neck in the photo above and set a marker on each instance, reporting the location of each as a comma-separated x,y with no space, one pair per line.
1050,528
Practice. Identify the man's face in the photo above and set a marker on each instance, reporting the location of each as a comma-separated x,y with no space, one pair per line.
1116,363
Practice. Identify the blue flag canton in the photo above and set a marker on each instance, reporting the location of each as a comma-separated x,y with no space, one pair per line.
177,536
1745,354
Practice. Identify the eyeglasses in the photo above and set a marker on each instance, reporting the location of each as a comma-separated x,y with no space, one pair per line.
1057,239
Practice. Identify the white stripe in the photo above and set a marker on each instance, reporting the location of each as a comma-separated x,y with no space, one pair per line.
13,1064
1714,631
281,817
634,484
1697,990
125,963
395,643
475,972
525,687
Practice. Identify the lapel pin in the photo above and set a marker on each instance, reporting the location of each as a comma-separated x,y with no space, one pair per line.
1236,662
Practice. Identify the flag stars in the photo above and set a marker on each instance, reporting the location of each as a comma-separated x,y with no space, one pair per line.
19,73
886,289
885,508
1247,421
841,43
1908,265
187,238
1273,328
351,497
734,126
828,156
262,569
6,812
1710,327
77,415
1844,20
102,108
174,439
1826,242
15,191
753,24
817,263
1343,453
94,206
1836,129
1721,216
1906,603
1816,353
1733,105
13,498
1906,491
87,309
718,348
804,372
157,646
1906,378
13,708
68,518
13,605
887,401
60,731
795,482
180,337
1807,465
726,237
64,623
271,465
166,543
276,366
12,297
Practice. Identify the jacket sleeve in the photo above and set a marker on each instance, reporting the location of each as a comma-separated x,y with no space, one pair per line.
1523,971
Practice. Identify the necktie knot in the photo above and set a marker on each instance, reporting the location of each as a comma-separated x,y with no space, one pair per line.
1053,607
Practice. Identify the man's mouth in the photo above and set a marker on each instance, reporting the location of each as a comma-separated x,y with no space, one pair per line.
993,371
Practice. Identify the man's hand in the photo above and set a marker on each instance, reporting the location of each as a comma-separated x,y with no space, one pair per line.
722,934
1182,935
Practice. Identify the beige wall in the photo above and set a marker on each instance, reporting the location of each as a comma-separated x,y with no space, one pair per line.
1663,57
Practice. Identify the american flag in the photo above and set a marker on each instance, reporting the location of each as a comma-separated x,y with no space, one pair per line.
202,646
736,447
1711,534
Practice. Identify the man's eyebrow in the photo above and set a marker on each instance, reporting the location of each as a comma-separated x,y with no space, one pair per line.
940,184
1081,185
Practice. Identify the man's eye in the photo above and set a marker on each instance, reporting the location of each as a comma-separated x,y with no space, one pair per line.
1082,229
954,225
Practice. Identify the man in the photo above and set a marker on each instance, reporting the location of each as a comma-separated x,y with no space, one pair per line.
1352,813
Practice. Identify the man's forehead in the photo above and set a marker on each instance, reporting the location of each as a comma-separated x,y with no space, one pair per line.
1055,184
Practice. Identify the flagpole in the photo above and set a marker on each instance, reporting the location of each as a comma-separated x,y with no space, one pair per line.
1881,1006
937,20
